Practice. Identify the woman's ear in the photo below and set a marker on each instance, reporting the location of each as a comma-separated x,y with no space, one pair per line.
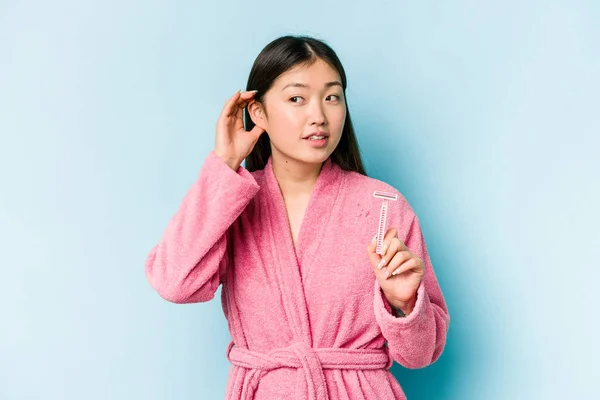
257,114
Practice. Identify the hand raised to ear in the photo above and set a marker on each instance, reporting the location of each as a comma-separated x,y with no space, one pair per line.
232,142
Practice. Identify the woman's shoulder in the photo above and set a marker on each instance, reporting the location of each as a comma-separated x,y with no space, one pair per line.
363,188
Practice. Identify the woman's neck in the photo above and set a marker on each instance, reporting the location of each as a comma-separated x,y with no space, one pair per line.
294,177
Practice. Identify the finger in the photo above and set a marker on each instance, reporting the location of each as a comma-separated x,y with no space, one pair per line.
257,131
248,94
391,233
391,246
239,113
391,250
409,265
373,256
372,244
229,106
238,101
397,260
245,98
239,109
381,274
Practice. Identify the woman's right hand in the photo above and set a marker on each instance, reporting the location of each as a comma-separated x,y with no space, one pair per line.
232,142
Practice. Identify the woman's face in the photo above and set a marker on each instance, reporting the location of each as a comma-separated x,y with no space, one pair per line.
303,101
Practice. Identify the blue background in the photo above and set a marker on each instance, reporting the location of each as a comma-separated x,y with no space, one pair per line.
485,115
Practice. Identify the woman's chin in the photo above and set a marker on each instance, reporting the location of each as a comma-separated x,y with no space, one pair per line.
310,155
315,157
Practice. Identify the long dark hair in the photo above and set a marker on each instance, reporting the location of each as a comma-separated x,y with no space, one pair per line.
278,57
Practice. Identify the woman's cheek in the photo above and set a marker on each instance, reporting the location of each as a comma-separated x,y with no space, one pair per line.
338,119
287,118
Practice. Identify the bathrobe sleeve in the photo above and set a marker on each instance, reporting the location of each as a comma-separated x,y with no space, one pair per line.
190,260
418,339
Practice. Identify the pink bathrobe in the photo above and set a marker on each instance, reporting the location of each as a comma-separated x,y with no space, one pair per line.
307,322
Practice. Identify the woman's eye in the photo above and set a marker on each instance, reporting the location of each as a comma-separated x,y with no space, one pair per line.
295,99
334,95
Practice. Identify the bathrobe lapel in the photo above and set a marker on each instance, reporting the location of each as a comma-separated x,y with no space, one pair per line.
294,264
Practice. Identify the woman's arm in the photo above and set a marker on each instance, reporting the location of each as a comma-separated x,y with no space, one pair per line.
417,339
190,261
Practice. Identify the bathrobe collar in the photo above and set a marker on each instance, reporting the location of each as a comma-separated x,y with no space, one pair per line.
294,264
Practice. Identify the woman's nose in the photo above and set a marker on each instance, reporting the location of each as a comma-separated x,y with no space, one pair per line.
317,115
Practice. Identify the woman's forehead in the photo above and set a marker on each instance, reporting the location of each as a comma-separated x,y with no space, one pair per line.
314,76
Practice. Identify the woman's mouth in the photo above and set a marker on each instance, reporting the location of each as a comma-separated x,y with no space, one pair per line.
317,140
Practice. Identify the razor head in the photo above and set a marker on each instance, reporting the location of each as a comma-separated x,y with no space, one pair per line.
385,195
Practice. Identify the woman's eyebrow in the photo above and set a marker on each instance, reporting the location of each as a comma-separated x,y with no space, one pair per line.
302,85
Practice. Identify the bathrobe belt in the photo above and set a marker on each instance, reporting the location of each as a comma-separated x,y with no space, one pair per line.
312,361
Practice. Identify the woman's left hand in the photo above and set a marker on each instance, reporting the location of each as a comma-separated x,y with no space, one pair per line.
398,271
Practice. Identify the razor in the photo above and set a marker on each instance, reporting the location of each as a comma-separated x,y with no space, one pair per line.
385,196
